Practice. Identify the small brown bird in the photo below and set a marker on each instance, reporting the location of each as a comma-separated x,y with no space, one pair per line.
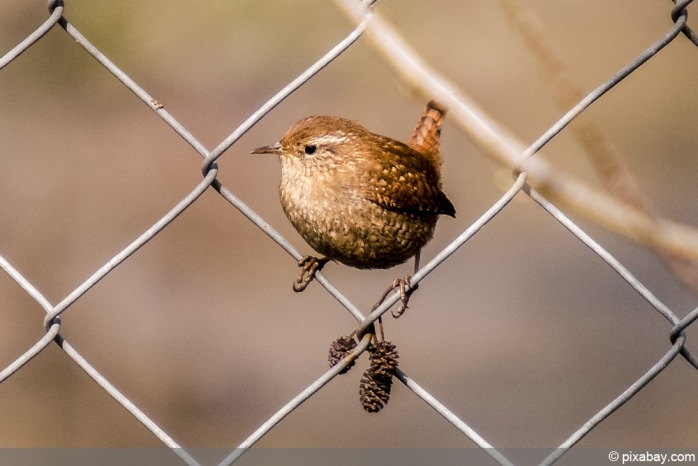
360,198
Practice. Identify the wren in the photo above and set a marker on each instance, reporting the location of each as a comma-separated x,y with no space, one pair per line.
360,198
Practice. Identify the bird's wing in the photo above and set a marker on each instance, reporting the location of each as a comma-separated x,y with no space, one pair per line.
404,180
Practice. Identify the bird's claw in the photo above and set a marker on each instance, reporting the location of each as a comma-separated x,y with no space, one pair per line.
406,289
310,266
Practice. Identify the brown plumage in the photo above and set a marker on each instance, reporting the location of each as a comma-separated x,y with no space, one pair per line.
427,134
360,198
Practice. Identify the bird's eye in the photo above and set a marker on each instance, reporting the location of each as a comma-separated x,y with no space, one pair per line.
310,149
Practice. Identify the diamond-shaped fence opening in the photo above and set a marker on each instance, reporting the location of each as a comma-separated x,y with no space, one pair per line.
553,313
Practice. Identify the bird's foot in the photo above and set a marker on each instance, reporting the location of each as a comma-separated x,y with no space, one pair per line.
310,266
406,289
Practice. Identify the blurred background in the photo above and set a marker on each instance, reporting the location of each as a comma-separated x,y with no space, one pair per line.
523,333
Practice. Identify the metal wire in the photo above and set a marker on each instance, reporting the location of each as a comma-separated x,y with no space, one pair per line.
522,161
593,96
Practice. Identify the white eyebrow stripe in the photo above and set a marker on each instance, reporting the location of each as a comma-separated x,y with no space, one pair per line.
329,139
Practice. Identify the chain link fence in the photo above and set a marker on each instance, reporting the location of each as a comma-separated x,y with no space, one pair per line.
618,205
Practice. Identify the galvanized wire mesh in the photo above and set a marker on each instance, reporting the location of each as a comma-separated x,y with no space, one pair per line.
533,178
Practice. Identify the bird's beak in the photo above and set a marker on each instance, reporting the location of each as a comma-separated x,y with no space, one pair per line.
275,149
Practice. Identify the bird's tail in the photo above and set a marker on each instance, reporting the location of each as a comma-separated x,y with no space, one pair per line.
426,135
